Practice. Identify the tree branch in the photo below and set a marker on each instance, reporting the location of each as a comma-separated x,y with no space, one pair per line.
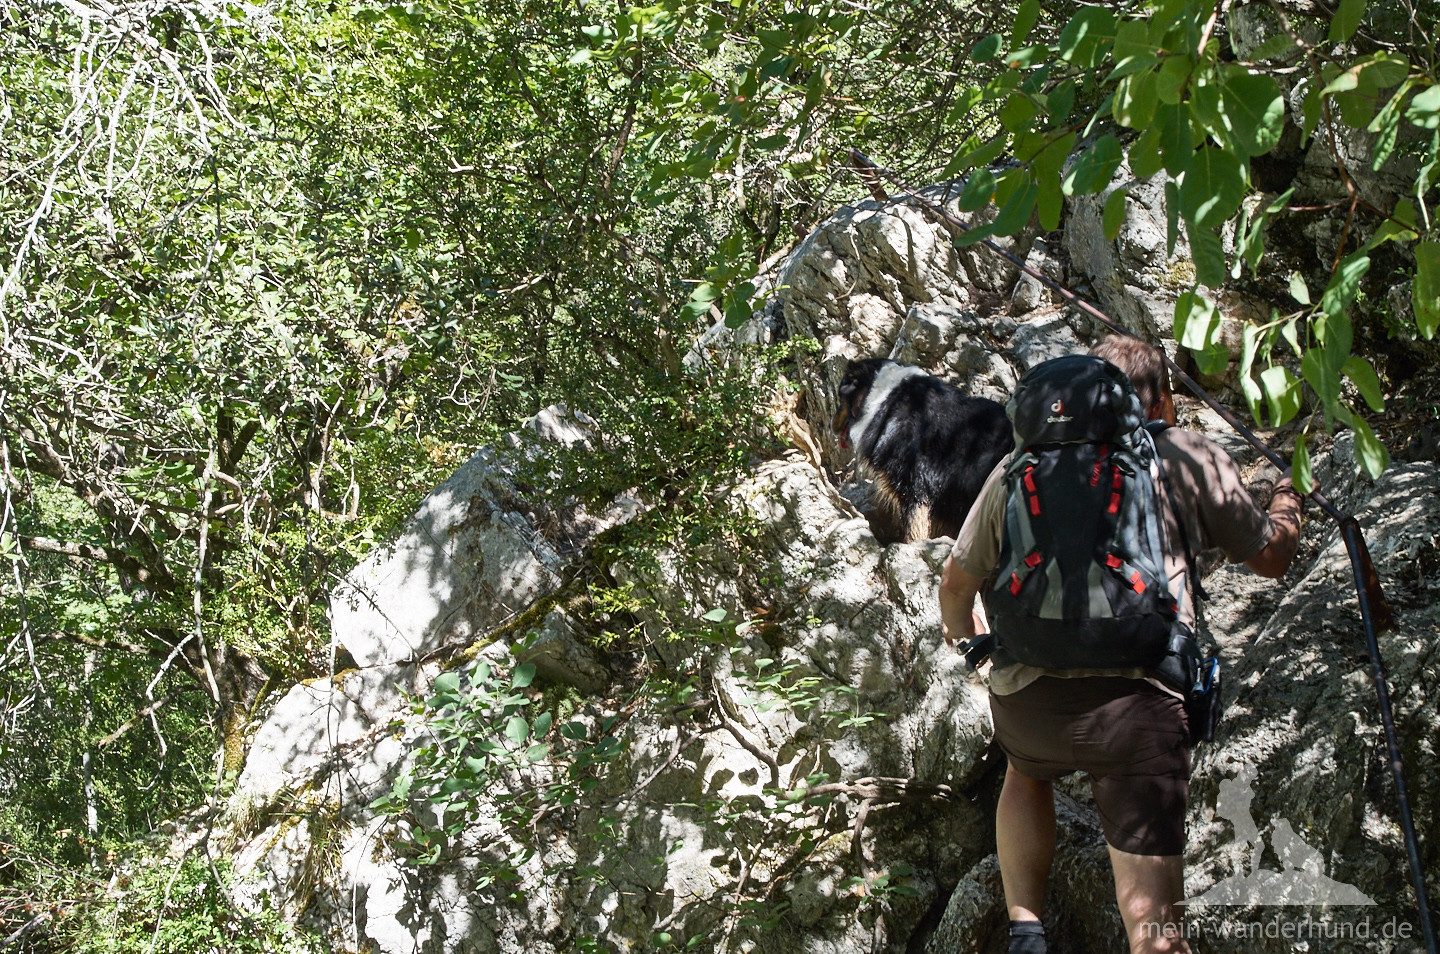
118,558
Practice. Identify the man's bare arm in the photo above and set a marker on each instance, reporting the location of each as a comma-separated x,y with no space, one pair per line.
958,589
1284,511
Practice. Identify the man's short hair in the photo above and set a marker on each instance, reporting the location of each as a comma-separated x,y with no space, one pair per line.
1143,362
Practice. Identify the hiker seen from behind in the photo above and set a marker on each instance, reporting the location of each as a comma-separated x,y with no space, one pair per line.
1082,547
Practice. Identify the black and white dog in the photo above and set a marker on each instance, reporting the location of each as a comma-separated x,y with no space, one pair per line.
927,445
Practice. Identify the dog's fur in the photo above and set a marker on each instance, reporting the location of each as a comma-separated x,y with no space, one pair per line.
927,445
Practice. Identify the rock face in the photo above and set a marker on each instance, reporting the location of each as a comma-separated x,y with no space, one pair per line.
1302,765
798,763
1134,278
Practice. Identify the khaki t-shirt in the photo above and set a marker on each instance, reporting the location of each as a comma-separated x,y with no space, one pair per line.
1218,511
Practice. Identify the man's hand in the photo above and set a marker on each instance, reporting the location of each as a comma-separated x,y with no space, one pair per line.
1285,516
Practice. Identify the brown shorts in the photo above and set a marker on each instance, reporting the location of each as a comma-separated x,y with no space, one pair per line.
1127,735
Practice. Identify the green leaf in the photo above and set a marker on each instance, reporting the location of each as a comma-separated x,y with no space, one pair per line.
1050,161
1172,216
716,615
447,683
1382,70
1298,291
1197,321
706,291
1208,255
1253,109
965,102
1212,359
1366,381
1172,77
542,724
1300,472
1018,112
737,312
695,309
1025,19
978,155
975,234
1114,214
1345,284
1050,202
1280,203
1212,187
1026,57
979,187
1136,100
1249,241
1282,393
537,752
523,676
1129,66
1132,40
1092,171
1250,347
1205,104
1424,109
1016,212
1084,38
1386,127
517,730
986,48
1145,158
1311,109
1346,20
1369,451
1425,290
1321,374
1290,332
1060,101
1336,335
1177,145
1399,227
1356,109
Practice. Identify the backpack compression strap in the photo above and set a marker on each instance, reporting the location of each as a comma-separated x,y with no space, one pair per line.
1192,570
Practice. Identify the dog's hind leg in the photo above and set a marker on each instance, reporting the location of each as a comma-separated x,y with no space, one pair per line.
917,523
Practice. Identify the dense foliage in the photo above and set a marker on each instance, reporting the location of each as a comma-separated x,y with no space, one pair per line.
271,271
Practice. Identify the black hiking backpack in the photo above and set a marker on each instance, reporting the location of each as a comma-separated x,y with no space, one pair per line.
1081,581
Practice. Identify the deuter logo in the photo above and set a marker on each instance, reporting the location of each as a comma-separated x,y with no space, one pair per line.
1059,416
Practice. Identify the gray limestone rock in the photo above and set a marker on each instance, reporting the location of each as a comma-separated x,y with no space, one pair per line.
465,564
1134,278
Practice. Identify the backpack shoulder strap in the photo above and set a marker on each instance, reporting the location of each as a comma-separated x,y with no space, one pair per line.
1192,569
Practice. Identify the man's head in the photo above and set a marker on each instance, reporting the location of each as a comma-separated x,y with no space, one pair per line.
1145,366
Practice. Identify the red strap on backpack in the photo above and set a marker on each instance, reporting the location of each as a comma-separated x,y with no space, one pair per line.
1099,465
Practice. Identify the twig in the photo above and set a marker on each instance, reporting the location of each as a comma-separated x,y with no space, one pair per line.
25,929
744,738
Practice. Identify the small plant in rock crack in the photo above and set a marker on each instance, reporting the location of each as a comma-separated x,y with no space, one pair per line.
798,689
493,752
